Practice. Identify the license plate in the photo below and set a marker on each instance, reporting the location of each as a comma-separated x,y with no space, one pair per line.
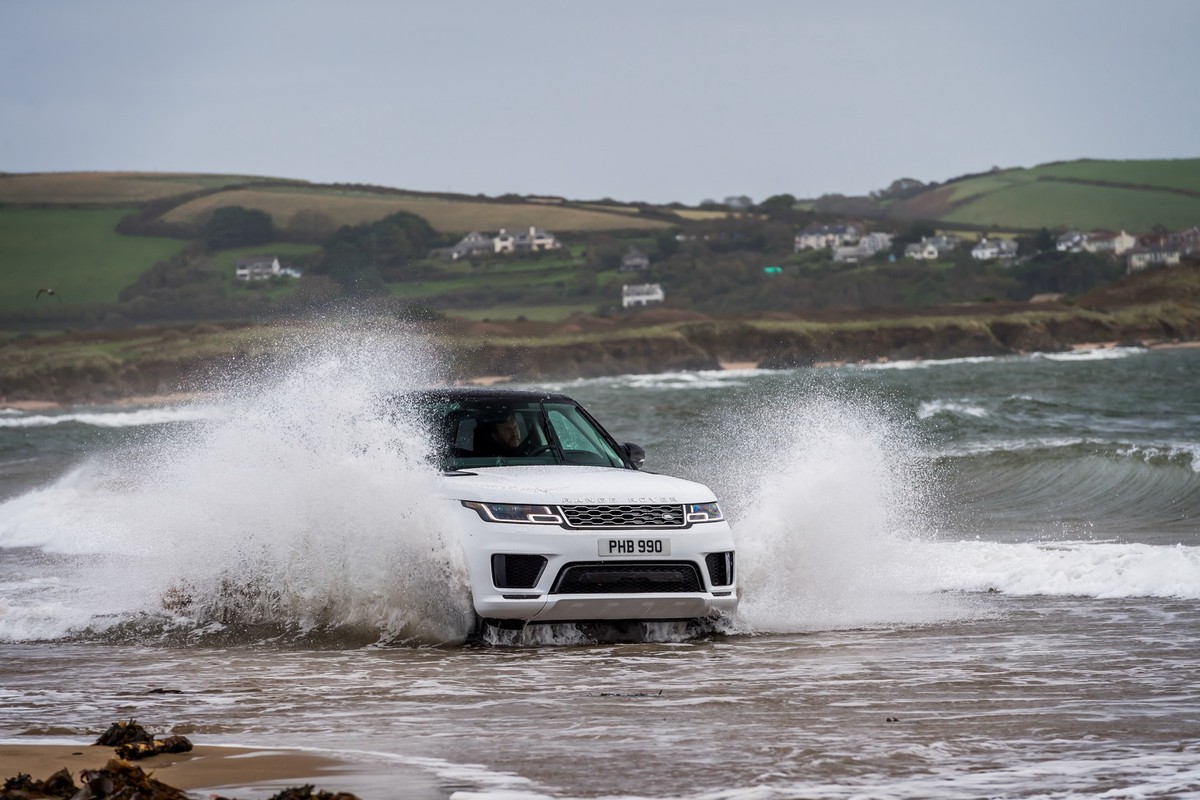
618,546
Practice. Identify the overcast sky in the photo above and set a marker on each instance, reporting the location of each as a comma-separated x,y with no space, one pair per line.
655,100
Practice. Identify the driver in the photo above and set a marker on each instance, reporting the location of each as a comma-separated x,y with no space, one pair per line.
500,438
506,436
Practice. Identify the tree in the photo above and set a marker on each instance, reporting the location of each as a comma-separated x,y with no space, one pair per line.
779,207
900,189
311,225
916,232
235,226
666,243
1043,240
356,257
604,253
1069,273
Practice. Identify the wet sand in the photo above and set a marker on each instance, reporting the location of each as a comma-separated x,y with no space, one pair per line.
211,767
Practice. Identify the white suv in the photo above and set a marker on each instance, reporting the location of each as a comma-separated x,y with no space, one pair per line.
560,525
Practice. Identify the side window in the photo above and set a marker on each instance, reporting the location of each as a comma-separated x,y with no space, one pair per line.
465,438
581,442
569,435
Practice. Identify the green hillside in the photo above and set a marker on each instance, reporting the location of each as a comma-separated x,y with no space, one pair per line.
1116,195
76,252
1173,173
134,248
60,231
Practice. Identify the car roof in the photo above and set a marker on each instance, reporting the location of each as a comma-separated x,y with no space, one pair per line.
481,393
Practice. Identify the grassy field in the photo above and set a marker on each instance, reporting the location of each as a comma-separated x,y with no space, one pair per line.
1051,204
987,184
1176,173
699,214
492,279
75,252
348,207
1051,195
104,187
533,313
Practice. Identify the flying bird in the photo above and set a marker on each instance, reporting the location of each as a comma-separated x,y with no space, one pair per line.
50,292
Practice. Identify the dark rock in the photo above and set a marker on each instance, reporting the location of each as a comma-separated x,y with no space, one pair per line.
119,780
24,787
120,733
138,750
306,793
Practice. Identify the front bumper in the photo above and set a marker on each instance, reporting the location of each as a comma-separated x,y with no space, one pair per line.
576,583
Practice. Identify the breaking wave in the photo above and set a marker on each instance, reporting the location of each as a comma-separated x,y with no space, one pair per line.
1103,570
113,419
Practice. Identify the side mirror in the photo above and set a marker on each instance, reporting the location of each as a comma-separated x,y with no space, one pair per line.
634,453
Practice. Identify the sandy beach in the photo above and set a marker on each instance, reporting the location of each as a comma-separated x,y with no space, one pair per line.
232,771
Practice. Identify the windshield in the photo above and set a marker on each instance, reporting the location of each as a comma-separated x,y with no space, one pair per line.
493,433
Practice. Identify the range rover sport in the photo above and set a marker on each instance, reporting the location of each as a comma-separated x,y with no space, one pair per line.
560,524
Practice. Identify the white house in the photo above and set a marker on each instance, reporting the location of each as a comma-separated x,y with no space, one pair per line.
816,237
1188,240
504,242
540,240
480,244
945,243
868,245
533,240
1143,257
872,243
641,294
473,244
1115,243
1070,242
992,249
635,261
923,250
258,268
847,255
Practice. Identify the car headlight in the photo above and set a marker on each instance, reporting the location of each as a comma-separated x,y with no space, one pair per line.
704,512
510,512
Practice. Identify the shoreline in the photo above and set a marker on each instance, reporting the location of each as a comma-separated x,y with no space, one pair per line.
231,769
142,400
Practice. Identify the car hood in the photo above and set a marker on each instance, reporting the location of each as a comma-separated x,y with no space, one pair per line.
568,485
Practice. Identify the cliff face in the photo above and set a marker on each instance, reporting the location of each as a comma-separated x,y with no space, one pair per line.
704,345
83,369
590,359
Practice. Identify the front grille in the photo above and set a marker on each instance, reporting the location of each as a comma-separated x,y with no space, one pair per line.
510,571
627,578
720,568
655,516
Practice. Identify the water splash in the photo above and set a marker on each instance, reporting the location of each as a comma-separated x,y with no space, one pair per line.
303,508
832,503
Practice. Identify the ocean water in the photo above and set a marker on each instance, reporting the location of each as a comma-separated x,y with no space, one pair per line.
961,578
